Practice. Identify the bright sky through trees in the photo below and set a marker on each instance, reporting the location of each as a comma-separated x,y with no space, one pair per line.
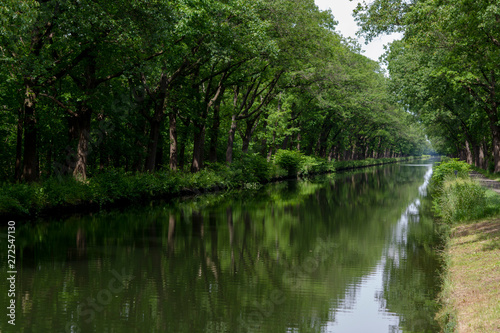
342,10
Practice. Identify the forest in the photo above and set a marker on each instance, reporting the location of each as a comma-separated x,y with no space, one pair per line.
445,70
88,86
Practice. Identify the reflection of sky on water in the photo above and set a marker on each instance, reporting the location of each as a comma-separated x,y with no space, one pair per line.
363,307
367,313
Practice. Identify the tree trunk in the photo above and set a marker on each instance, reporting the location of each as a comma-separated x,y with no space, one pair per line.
331,154
248,135
468,153
30,160
182,150
198,143
173,140
154,135
83,134
483,163
230,140
323,138
495,132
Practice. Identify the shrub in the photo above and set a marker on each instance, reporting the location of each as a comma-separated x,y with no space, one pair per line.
250,168
289,160
460,199
311,165
447,168
65,191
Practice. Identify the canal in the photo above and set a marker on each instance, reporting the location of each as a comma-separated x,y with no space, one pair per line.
353,252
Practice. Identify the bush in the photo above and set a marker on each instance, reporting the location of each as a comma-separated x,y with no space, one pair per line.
311,165
447,168
460,199
291,161
251,168
65,191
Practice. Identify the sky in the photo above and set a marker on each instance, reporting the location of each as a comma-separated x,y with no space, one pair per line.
342,10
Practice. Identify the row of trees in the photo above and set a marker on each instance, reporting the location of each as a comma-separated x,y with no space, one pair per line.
90,84
446,70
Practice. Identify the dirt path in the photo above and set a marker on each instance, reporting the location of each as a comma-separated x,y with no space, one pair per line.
491,184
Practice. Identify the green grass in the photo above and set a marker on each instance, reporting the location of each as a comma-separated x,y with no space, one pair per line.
471,287
471,282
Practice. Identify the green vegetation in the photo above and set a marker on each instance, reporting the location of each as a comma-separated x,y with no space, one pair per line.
89,87
457,197
118,187
472,249
470,289
445,70
461,199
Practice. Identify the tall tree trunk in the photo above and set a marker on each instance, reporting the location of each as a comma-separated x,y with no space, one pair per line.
198,145
173,140
247,136
495,133
182,149
468,153
331,154
154,135
30,160
322,140
230,140
83,133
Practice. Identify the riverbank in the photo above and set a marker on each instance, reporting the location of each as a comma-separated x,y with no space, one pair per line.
469,206
472,282
115,188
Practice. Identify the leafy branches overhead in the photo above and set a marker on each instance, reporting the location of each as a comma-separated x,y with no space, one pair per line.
445,70
89,85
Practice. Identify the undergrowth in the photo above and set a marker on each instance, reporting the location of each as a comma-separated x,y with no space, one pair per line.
116,185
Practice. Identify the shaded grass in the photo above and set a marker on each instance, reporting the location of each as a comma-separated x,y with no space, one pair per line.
471,288
487,174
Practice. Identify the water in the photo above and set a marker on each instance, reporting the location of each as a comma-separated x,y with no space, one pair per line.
351,253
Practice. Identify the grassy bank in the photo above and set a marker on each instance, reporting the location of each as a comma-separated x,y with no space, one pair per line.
471,292
471,281
115,187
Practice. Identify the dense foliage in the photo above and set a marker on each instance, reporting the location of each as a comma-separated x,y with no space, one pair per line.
91,85
457,197
446,70
119,187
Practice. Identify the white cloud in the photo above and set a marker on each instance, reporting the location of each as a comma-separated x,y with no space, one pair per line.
342,11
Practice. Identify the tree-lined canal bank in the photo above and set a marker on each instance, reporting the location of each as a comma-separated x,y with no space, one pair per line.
304,256
117,188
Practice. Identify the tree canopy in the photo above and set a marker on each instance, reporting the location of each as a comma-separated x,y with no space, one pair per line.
445,70
143,85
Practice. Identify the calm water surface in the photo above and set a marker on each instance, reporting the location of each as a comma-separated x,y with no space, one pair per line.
350,253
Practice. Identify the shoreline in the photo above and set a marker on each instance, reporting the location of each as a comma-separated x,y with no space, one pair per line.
468,213
143,195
